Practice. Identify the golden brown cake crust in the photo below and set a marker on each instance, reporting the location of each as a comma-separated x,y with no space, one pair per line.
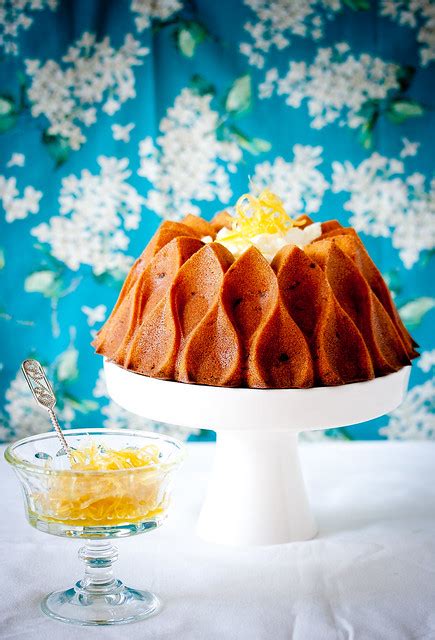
191,312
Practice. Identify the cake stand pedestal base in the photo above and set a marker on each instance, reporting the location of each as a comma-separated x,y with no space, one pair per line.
256,493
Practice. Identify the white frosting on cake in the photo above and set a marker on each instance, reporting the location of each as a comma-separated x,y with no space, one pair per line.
267,243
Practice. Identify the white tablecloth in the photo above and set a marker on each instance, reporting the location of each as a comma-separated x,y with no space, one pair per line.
369,575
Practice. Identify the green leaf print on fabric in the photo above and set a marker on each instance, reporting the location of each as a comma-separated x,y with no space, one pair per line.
393,281
57,147
201,86
50,282
113,278
400,110
6,105
357,5
46,282
255,146
8,113
66,365
188,36
366,132
82,406
239,97
413,312
395,106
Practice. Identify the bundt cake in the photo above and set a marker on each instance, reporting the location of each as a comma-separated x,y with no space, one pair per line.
256,300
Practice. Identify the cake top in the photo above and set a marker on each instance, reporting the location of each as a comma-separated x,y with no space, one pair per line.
263,222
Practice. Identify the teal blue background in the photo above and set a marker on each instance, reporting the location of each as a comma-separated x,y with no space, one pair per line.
158,81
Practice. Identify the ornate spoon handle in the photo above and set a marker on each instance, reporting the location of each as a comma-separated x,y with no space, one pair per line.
43,394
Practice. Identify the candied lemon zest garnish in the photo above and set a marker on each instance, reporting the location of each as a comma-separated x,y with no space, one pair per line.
263,214
98,458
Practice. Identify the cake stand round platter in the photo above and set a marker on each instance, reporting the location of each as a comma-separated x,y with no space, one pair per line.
256,493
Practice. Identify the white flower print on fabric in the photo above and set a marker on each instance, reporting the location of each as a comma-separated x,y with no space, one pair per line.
24,416
415,418
17,160
148,10
97,212
16,207
409,148
94,314
93,73
189,163
383,202
118,418
278,20
299,183
336,85
426,361
16,15
122,132
418,14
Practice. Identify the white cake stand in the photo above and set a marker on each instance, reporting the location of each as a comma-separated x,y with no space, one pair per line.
256,494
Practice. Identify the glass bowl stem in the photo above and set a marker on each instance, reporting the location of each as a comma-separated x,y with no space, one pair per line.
98,556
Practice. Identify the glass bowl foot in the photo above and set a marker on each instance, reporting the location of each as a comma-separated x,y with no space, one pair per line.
99,598
121,606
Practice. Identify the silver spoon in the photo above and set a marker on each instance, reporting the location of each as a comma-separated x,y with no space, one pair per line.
44,395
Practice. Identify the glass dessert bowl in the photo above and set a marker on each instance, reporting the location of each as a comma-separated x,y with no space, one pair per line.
115,484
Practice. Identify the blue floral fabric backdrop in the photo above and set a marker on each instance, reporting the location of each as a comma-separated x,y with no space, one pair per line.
116,115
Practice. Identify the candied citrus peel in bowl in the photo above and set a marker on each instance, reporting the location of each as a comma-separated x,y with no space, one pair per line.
105,487
95,457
